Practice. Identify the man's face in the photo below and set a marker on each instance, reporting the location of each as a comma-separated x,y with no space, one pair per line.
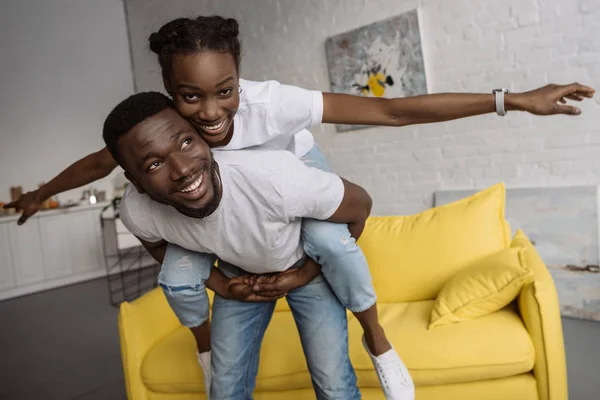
165,157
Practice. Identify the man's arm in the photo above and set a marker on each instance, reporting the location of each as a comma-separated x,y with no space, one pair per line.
156,249
354,209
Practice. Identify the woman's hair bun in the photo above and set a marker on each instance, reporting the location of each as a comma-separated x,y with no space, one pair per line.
230,28
157,41
167,33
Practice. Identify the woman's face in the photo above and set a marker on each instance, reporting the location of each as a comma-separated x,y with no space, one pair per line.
205,89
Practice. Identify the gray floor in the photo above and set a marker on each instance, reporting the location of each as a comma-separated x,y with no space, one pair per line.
63,344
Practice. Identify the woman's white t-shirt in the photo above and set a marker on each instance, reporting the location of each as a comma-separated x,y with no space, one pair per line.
275,116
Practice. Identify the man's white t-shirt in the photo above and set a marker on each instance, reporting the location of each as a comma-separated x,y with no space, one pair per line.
257,225
275,117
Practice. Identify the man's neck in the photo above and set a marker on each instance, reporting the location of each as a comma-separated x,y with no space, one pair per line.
218,185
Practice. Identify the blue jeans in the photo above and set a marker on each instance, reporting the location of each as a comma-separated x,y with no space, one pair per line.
182,276
331,245
343,264
238,329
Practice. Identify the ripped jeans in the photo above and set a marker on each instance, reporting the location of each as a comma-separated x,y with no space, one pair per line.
344,266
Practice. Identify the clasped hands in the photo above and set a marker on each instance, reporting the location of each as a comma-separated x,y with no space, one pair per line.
270,287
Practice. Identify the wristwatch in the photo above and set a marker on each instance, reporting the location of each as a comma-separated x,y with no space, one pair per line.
499,95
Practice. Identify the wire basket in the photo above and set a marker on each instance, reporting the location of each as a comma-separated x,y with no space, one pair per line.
130,270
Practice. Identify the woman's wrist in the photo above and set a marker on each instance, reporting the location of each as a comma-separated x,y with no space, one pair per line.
217,282
309,271
514,102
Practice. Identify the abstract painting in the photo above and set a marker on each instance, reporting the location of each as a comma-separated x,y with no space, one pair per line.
383,59
563,224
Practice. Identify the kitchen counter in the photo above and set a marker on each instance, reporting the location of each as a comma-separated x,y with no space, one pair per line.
55,211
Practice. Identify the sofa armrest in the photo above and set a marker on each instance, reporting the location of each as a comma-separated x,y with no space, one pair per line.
540,310
142,323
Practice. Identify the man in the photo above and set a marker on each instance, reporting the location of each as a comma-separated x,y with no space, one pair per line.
246,208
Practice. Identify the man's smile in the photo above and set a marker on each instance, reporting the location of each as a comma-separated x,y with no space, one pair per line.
195,189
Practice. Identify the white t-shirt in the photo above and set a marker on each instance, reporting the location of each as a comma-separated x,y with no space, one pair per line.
275,117
257,225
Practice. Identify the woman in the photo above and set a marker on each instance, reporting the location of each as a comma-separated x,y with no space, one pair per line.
200,61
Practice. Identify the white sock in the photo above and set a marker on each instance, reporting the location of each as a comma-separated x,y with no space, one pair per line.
204,361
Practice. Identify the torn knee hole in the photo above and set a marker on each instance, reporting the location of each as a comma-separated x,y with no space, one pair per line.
172,289
183,263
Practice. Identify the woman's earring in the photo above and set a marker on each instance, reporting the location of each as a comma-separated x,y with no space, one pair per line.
240,89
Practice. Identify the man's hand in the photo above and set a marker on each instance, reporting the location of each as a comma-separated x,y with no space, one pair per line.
279,284
28,204
545,100
240,288
282,283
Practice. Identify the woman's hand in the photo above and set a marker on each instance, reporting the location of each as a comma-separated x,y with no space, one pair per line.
550,99
240,288
29,203
280,284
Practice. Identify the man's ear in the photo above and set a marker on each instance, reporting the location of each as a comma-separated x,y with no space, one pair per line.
134,182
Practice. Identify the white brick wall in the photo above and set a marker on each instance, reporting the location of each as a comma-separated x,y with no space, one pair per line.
469,45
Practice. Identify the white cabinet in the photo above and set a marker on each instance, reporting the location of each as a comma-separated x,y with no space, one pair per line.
54,230
53,248
7,276
84,242
26,247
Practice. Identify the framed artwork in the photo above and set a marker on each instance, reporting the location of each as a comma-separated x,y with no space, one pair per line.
383,59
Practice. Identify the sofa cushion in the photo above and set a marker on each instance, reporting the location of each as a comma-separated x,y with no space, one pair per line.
490,347
412,257
494,346
482,288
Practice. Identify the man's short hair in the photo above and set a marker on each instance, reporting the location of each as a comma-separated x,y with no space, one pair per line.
130,112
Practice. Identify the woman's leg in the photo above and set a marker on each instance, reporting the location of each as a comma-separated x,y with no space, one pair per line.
182,278
345,267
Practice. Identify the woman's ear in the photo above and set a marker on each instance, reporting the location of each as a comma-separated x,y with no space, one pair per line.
167,84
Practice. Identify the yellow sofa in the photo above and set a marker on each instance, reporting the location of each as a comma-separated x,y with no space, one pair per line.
514,353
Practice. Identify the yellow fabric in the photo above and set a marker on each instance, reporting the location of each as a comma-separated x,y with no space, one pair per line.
491,347
170,357
142,323
482,288
411,257
539,307
521,387
494,346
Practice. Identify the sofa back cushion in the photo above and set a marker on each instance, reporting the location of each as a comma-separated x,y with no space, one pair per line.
411,257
